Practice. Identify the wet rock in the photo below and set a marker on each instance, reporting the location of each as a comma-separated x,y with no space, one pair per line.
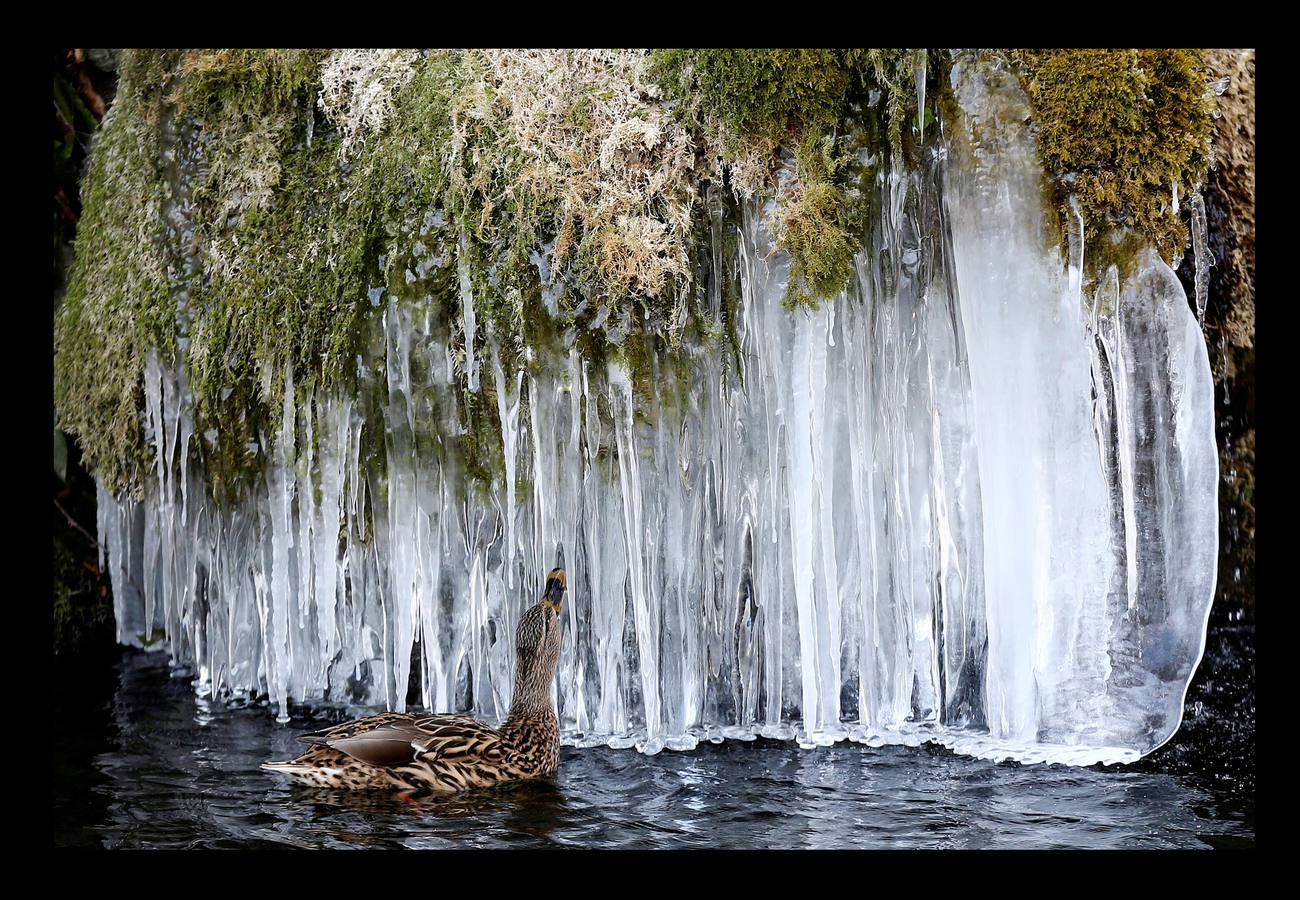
104,60
1230,324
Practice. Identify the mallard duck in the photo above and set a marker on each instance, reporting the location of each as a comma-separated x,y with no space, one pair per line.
449,752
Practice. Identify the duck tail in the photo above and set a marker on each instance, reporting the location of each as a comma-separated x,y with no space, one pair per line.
286,767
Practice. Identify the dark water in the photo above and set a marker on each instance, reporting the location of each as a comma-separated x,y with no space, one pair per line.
143,763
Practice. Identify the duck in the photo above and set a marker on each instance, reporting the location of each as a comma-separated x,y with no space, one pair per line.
446,752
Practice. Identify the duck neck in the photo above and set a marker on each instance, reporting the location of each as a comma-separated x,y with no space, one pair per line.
531,698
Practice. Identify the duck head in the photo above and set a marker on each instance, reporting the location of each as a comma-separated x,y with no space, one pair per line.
556,585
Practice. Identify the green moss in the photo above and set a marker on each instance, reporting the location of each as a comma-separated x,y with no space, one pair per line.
1118,129
814,228
773,94
786,95
818,103
479,445
1119,247
893,73
249,83
405,173
118,301
288,229
284,259
295,300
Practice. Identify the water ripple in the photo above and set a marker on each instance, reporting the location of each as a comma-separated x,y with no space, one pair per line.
164,770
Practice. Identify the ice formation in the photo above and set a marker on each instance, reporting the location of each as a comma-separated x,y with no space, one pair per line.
965,502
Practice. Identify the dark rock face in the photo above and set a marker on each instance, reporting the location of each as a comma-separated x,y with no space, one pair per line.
105,60
83,86
1230,325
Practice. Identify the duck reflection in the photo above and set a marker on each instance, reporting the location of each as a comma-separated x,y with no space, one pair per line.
529,810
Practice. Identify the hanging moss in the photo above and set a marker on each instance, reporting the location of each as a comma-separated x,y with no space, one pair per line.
814,228
297,179
118,301
1118,129
267,185
892,72
773,94
243,82
283,260
754,102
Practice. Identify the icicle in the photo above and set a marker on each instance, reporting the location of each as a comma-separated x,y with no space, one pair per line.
467,314
1075,240
1202,259
103,500
281,595
920,95
645,613
508,411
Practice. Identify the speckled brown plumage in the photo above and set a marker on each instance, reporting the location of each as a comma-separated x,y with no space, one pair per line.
449,752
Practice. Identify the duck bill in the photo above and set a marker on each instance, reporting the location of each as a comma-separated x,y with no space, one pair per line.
553,596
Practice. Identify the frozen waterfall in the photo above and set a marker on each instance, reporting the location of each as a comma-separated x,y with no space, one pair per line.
964,502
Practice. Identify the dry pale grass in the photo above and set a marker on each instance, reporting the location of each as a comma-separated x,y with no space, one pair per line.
358,89
586,148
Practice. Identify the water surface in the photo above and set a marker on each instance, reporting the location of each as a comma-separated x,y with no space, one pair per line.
142,762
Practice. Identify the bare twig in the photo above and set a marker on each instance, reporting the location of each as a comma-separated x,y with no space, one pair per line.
65,208
90,95
73,522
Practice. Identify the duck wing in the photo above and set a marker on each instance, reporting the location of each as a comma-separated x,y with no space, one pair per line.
394,739
451,738
357,727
